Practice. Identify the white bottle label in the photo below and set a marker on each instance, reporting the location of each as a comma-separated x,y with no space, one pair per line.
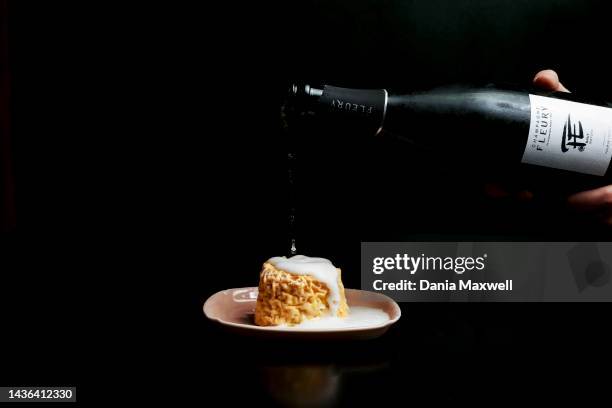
569,135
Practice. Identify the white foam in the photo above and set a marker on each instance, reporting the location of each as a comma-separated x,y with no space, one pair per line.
359,316
319,268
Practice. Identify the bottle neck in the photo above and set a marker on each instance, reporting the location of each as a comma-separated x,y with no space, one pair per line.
361,110
364,109
370,112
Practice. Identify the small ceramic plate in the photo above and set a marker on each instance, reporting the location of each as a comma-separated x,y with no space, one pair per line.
234,309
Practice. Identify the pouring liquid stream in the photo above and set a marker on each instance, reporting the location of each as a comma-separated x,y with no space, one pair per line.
291,200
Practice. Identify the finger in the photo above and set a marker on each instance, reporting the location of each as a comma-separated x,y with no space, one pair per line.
495,190
548,79
524,195
607,220
600,198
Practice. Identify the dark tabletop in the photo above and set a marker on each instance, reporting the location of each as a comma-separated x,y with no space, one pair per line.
440,353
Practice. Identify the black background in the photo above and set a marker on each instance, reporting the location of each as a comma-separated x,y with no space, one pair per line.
151,173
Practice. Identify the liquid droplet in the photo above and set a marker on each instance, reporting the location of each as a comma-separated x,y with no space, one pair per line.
293,248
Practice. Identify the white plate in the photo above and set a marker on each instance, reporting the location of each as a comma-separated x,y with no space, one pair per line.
234,309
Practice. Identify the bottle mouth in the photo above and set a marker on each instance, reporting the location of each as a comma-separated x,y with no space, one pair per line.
301,99
304,90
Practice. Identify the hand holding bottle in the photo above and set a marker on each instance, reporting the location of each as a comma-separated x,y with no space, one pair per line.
595,204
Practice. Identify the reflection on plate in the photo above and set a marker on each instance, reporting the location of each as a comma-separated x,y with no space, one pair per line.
371,316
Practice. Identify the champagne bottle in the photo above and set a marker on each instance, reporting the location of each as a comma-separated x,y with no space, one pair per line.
556,134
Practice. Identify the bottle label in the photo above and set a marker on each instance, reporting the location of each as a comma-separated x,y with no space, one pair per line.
569,135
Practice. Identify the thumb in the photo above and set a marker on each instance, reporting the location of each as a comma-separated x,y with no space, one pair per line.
548,79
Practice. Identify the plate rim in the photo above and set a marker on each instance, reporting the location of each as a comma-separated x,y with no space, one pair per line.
276,329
